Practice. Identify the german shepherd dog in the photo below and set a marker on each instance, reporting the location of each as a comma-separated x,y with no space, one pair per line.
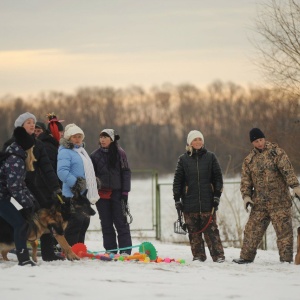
297,257
53,220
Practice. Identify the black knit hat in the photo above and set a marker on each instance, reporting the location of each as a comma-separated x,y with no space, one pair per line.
40,125
256,133
23,139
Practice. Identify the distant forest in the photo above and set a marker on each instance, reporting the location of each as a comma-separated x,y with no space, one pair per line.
154,124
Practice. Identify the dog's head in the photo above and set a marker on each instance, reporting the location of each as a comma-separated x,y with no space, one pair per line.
82,205
79,204
53,220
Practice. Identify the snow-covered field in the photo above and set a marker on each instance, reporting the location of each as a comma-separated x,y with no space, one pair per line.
265,279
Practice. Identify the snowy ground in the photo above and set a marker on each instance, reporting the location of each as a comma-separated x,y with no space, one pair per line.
266,278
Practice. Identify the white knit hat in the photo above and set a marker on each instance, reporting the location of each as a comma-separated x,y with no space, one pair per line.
192,135
111,133
72,129
23,117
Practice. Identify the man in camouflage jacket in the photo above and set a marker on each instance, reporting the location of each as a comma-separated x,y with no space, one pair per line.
267,174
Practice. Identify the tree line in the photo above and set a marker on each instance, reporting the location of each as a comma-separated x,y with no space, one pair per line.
153,124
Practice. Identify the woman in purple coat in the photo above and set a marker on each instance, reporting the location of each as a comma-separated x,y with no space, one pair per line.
111,167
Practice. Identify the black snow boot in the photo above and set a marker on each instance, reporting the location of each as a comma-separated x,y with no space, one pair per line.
23,257
47,248
242,261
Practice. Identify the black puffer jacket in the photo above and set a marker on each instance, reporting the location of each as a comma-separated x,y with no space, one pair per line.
51,147
198,178
118,178
42,176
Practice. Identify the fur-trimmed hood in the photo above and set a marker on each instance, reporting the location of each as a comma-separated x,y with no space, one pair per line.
67,144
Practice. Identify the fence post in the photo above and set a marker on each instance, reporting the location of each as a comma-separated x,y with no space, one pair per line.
157,207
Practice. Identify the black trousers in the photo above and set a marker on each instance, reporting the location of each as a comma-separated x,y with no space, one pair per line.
112,220
76,228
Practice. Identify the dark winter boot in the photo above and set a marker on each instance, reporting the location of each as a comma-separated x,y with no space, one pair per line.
23,257
47,248
242,261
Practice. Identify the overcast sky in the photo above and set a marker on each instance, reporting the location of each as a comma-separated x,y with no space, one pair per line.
65,44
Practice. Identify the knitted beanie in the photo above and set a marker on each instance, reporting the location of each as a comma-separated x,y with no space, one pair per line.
40,125
22,118
72,129
192,135
111,134
256,133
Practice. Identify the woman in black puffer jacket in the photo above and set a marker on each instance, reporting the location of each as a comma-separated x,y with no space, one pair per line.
198,182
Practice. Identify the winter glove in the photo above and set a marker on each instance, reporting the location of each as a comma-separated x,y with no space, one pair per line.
124,198
216,202
296,192
98,183
247,202
179,205
79,186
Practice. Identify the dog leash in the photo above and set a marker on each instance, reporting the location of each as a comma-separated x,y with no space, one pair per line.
60,199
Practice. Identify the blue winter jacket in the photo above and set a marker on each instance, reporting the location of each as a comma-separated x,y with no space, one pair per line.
69,166
12,177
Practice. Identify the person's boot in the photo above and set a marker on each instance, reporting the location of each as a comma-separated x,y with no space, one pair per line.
24,259
47,248
242,261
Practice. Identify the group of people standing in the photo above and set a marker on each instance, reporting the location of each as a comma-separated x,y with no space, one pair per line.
58,165
267,175
43,163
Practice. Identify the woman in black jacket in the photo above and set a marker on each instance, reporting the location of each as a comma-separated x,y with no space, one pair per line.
198,182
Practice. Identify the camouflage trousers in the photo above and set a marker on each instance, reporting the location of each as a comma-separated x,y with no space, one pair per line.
195,222
256,227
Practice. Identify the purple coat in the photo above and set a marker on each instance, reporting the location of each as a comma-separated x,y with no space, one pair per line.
12,177
118,178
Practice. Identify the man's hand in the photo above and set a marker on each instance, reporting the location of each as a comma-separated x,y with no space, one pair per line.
247,202
216,202
178,205
296,192
124,198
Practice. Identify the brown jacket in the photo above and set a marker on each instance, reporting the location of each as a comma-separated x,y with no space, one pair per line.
267,176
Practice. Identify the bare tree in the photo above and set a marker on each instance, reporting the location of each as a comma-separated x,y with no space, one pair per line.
278,26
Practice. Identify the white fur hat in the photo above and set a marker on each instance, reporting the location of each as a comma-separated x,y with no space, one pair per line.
192,135
72,129
23,117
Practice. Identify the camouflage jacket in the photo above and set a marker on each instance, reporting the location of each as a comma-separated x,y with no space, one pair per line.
267,176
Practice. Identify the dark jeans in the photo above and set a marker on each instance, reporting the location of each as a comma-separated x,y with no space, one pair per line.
112,220
12,216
